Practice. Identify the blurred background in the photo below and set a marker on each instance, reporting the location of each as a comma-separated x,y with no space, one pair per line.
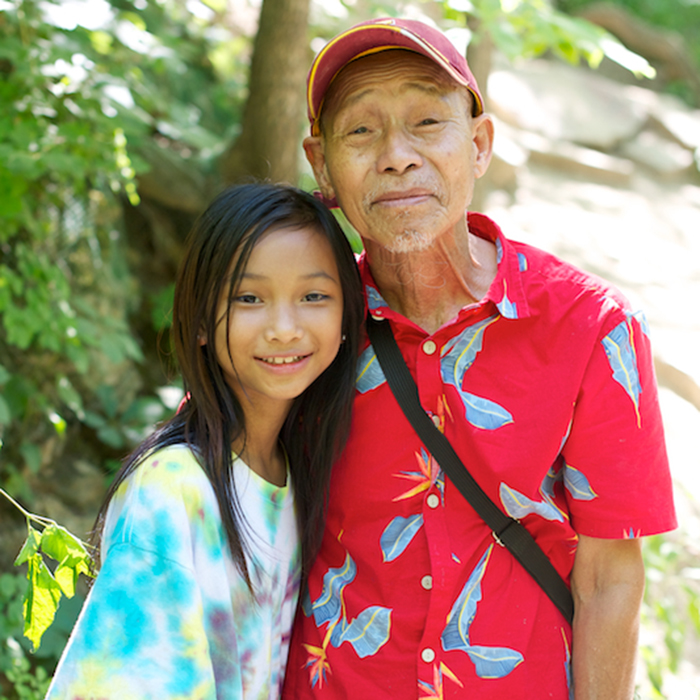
121,119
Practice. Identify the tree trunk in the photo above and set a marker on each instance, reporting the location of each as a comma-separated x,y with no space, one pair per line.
268,145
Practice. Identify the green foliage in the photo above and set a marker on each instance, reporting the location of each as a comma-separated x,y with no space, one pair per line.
46,587
81,97
681,17
29,683
28,673
671,610
529,28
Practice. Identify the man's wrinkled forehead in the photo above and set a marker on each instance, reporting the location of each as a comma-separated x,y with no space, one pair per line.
360,78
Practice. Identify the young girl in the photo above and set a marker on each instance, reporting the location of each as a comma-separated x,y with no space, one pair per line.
212,521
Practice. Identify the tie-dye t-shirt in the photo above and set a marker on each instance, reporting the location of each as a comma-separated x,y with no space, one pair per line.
169,616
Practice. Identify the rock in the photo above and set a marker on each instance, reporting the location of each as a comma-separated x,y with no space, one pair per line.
563,103
664,157
576,160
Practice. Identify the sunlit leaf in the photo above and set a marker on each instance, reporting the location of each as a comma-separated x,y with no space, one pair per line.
40,601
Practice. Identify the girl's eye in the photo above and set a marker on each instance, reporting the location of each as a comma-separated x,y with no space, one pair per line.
247,299
315,296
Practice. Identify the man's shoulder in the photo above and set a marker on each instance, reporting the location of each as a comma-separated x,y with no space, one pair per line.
545,272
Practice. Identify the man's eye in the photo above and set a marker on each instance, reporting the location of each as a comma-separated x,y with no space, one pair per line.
427,122
360,130
247,299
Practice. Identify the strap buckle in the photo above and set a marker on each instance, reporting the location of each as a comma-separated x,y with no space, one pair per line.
497,535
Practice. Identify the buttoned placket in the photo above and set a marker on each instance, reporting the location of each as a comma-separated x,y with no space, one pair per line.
441,582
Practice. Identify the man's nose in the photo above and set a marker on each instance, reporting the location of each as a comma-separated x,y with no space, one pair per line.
284,324
397,152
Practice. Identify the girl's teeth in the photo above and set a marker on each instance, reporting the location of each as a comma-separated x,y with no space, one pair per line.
281,360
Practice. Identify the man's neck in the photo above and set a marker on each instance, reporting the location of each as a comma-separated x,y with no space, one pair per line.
430,286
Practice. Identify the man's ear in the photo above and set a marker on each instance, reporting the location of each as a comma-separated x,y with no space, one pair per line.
313,147
483,143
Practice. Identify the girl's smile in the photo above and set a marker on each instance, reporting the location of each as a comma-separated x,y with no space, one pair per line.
283,326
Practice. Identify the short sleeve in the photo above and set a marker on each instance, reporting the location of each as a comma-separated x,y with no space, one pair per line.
616,474
141,632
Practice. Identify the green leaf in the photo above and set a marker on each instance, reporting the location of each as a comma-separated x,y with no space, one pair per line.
70,553
30,547
40,601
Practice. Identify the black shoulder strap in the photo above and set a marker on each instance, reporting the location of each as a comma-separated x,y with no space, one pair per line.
506,530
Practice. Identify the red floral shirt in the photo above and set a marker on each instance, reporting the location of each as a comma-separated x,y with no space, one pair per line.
546,390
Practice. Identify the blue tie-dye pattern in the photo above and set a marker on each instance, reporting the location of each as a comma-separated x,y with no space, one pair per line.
489,662
169,615
623,361
398,534
369,372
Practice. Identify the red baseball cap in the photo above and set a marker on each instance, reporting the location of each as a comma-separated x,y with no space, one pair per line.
377,35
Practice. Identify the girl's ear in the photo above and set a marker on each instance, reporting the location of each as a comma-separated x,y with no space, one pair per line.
202,339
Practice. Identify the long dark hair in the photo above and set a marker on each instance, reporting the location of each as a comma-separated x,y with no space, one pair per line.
316,428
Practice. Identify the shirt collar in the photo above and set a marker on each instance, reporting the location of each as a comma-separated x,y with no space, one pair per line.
506,292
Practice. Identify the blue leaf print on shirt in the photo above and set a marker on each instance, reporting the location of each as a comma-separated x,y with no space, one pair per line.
622,357
484,413
506,307
517,505
522,262
369,372
456,632
577,484
327,607
642,321
374,299
494,662
398,534
367,633
489,662
458,356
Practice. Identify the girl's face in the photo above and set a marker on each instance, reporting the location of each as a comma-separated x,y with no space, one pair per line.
285,320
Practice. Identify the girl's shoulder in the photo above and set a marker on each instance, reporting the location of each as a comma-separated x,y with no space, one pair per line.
172,461
169,476
167,497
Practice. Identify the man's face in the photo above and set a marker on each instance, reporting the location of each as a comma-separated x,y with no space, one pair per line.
400,150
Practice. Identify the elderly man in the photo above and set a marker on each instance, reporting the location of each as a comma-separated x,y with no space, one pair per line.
538,374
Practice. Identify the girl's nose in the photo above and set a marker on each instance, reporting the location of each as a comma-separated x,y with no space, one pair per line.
284,325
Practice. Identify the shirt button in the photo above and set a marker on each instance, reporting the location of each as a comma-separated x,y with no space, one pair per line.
427,582
428,655
436,421
429,347
433,500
